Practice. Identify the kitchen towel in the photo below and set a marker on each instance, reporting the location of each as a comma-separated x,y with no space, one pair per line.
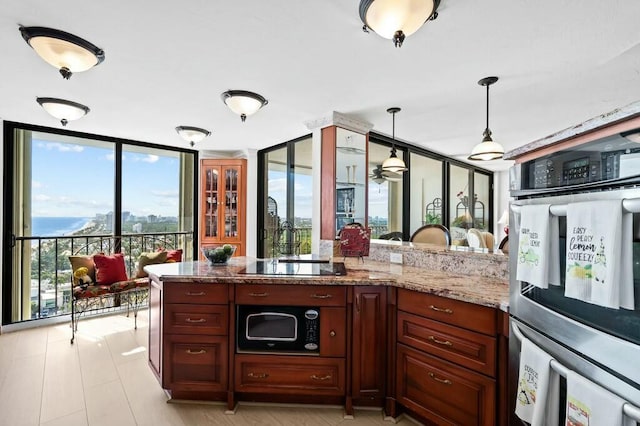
538,387
590,404
538,248
599,254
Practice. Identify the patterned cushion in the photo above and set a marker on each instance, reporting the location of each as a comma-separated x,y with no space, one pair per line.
149,259
80,261
121,286
84,292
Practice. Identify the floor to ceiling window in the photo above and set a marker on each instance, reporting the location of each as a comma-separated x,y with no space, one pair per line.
68,189
286,198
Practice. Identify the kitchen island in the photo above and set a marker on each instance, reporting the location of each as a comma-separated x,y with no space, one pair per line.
388,335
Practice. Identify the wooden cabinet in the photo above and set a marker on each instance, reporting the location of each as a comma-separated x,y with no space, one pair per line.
188,338
223,191
369,345
293,375
446,359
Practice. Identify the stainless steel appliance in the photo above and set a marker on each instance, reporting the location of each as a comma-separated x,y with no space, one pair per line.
599,343
278,329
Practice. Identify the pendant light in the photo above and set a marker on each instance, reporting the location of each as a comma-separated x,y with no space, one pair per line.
66,52
393,163
62,109
192,134
395,20
243,103
487,149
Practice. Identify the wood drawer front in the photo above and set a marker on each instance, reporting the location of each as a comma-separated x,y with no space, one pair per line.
195,363
196,293
300,295
443,392
463,314
467,348
290,375
196,319
333,331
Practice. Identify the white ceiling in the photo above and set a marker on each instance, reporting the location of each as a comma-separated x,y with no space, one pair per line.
167,62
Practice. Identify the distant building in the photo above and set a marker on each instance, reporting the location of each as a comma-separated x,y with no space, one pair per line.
137,227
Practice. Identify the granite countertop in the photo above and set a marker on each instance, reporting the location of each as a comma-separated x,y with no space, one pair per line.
486,291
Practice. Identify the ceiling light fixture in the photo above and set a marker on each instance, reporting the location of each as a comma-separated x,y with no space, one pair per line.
632,135
243,103
192,134
394,164
64,51
394,19
62,109
487,149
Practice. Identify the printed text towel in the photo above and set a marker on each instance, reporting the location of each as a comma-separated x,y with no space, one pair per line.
590,404
599,261
537,399
538,250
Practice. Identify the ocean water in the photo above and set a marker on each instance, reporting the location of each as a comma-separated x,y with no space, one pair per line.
56,226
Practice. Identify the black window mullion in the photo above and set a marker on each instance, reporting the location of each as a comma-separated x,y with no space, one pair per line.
117,203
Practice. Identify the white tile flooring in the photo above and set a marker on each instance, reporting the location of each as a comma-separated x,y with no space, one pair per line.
104,379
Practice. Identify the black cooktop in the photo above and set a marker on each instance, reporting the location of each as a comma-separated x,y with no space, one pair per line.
274,267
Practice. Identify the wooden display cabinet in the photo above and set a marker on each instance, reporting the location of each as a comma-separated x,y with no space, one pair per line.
223,202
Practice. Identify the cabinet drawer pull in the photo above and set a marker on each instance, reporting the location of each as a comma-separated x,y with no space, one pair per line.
258,375
332,333
440,342
445,310
200,352
196,320
443,381
265,294
321,378
321,296
200,293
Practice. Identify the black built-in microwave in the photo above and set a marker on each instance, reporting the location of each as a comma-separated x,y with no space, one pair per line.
278,329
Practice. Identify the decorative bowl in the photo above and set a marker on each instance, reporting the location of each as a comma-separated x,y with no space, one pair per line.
218,254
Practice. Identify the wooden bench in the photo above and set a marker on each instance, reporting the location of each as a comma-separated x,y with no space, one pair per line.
107,283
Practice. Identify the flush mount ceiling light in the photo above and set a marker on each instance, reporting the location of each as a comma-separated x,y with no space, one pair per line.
62,109
487,149
66,52
394,164
243,103
395,20
191,134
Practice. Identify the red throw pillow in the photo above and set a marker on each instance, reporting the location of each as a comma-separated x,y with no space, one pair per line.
174,255
110,269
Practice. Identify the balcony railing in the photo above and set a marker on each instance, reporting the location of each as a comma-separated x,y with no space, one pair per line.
42,272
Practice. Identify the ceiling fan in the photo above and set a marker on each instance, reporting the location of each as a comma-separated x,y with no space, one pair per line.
379,176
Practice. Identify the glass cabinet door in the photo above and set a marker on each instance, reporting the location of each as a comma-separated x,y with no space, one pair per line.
231,189
212,198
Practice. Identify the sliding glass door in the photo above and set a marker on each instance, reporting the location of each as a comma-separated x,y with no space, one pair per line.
64,191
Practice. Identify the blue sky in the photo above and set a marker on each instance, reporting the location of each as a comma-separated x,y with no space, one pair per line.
77,180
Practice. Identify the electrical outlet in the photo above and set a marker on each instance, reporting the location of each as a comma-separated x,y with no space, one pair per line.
395,257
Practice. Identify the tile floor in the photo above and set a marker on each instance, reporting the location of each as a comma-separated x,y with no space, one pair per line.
104,379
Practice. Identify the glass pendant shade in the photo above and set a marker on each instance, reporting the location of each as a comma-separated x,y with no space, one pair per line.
63,110
192,134
393,164
64,51
396,19
243,103
487,149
